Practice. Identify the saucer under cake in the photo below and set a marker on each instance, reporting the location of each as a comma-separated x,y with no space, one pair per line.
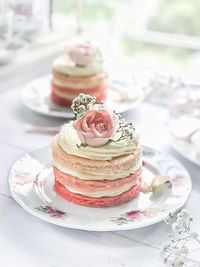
31,183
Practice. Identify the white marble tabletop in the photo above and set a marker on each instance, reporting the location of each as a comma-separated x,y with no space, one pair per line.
26,241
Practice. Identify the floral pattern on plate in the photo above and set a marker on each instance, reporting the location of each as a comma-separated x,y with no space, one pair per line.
131,216
51,211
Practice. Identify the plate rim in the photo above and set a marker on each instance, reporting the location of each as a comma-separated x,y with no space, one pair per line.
55,114
99,229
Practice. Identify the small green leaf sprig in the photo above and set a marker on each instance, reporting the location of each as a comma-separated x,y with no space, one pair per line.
81,145
82,103
126,129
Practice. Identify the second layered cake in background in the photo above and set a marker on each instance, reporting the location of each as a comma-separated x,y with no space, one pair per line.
79,70
97,158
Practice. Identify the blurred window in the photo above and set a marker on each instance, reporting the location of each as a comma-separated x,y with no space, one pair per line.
153,32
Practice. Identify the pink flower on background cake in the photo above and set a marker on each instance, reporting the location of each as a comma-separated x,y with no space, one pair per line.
96,126
82,54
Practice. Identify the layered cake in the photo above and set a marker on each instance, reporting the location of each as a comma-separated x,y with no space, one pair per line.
79,70
96,157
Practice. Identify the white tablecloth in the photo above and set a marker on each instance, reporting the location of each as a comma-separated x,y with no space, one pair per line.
26,241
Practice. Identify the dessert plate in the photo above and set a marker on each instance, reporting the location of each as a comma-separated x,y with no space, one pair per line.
36,96
31,184
186,150
185,137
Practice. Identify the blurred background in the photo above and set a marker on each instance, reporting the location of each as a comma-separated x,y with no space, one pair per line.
155,34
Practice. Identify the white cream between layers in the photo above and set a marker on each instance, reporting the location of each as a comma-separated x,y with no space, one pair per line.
95,176
66,66
104,193
68,139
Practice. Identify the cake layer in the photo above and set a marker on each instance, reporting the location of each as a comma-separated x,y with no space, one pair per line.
76,82
60,100
66,66
100,193
94,188
70,142
102,87
96,176
66,100
117,165
98,201
69,94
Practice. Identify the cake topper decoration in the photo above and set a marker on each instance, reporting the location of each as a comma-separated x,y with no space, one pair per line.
97,125
82,54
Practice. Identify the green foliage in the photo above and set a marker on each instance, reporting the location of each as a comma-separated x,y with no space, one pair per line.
177,16
163,53
92,10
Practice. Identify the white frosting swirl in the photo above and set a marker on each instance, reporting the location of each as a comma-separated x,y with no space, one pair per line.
69,141
66,66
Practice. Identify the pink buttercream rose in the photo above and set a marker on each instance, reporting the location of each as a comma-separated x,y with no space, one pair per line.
97,126
82,54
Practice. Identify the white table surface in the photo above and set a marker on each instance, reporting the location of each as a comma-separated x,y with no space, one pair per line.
26,241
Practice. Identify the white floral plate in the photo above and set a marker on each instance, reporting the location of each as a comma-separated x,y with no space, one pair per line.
36,96
186,149
32,186
184,134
